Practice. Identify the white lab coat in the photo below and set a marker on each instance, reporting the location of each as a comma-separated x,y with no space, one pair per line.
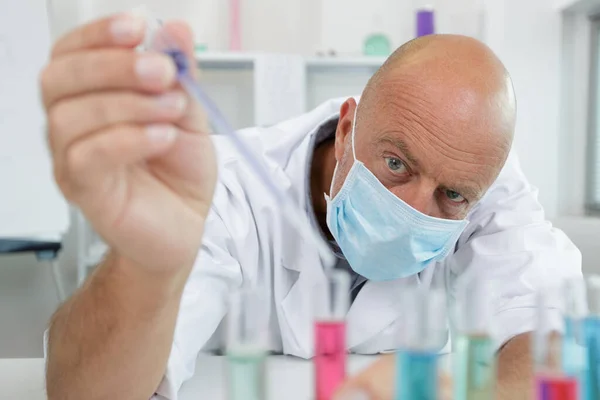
508,240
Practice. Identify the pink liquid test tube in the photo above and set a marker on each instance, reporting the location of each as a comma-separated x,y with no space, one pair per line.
556,388
331,306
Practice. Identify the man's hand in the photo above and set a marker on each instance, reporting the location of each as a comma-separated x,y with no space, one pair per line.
129,148
132,151
377,383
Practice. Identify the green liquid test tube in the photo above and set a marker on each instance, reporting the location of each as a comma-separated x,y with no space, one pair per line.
247,346
474,359
476,368
247,375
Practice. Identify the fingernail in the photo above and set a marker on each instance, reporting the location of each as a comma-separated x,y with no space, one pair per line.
155,68
172,102
353,395
126,28
161,133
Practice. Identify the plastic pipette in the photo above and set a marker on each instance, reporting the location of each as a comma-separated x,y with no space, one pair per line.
291,210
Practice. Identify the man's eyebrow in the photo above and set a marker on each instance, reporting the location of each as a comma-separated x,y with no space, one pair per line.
402,146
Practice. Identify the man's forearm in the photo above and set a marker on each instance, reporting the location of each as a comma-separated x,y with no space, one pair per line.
113,338
515,369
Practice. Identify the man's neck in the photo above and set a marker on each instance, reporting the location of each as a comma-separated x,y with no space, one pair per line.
321,173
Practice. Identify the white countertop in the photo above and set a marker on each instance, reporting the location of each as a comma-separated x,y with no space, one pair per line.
289,378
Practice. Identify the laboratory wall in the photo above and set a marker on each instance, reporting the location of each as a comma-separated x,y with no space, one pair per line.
526,35
290,26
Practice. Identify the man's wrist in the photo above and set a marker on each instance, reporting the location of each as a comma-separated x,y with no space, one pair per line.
129,279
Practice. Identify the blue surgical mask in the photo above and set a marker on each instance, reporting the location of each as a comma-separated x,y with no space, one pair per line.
381,236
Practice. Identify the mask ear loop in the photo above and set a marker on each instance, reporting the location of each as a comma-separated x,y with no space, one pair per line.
354,132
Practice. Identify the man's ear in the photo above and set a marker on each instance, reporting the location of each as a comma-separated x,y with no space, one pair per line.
344,127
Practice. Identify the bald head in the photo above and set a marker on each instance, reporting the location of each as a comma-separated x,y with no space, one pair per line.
460,69
435,124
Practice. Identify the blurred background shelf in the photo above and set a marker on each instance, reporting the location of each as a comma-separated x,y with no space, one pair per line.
233,60
343,62
245,84
222,60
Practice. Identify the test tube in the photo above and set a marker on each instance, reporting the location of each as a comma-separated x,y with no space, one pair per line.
591,327
474,360
424,335
331,303
425,20
552,383
575,314
247,345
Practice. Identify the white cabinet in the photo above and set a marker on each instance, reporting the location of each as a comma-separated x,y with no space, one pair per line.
245,89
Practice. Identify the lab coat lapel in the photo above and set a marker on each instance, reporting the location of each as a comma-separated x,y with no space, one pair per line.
296,320
302,266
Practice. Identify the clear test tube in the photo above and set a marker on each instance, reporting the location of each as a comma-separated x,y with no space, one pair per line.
591,328
575,312
247,345
425,333
551,381
331,304
474,359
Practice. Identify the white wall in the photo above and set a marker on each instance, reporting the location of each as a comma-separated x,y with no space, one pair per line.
527,37
547,55
575,90
355,20
290,26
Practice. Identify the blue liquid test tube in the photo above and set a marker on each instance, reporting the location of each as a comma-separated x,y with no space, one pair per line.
555,376
474,359
425,333
247,345
573,339
331,302
591,334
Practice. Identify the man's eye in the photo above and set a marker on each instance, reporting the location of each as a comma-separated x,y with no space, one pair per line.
395,164
454,196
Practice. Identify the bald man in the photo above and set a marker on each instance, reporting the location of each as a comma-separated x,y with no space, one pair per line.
413,185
